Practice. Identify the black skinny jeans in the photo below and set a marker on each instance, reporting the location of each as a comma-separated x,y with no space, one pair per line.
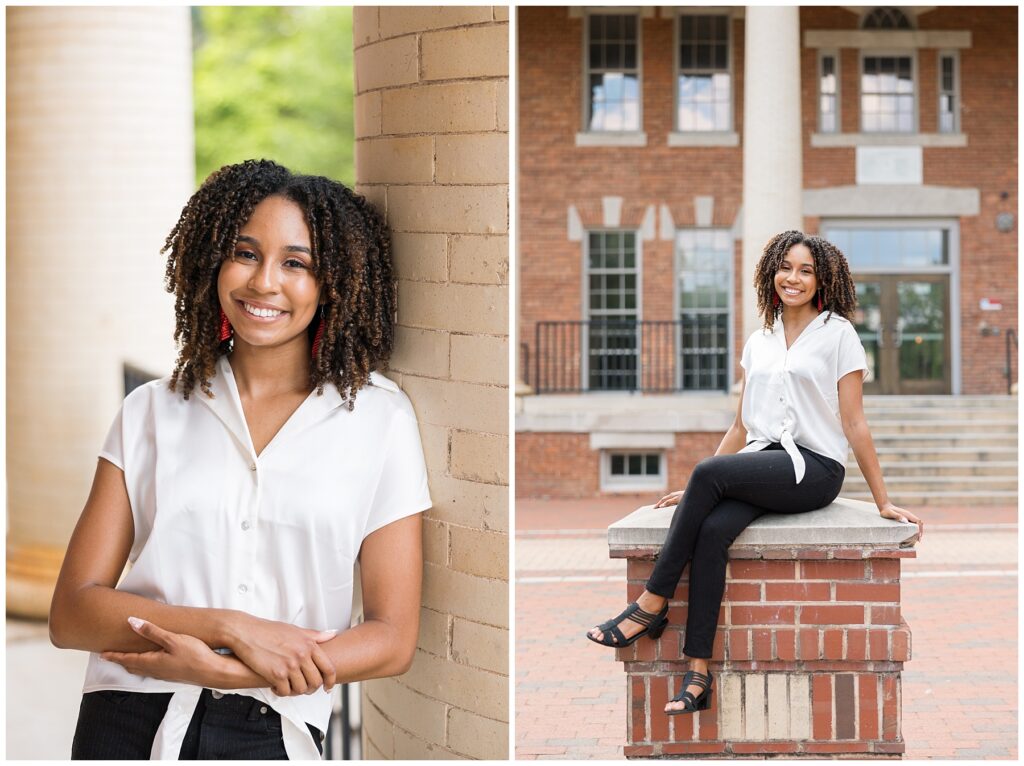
724,495
115,725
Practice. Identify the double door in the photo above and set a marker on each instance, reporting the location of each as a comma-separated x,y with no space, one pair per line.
903,322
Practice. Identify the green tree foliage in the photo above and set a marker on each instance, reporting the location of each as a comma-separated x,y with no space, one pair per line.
275,83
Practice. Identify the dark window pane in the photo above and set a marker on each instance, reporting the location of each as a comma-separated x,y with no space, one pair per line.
652,465
629,27
618,465
629,56
721,57
685,27
703,27
636,465
721,28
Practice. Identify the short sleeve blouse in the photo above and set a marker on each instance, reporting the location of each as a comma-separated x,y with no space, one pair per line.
791,396
274,535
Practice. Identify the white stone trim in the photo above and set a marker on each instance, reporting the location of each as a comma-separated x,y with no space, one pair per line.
704,210
704,138
647,225
632,440
931,140
575,224
667,229
881,201
871,39
579,11
609,138
611,211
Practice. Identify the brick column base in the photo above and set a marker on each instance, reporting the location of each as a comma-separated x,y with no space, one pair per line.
809,649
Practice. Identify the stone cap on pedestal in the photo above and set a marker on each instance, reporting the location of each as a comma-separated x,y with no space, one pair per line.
844,523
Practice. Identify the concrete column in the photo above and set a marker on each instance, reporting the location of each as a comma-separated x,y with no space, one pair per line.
432,151
772,158
99,163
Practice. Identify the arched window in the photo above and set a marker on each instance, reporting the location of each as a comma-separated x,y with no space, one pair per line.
887,18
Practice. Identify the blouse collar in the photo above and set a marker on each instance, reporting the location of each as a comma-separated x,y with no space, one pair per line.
226,404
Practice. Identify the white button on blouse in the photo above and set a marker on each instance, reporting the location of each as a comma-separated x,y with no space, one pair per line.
792,396
275,535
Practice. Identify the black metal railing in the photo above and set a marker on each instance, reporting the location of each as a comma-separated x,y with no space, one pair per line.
650,356
1011,336
343,736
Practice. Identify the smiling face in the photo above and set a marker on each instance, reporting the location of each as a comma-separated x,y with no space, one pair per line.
266,287
795,281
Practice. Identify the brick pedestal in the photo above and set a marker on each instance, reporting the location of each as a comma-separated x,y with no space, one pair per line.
810,643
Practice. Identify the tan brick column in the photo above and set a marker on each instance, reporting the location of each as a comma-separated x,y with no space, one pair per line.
99,164
432,151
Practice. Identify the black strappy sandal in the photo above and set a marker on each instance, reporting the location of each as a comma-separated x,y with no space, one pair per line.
692,704
654,626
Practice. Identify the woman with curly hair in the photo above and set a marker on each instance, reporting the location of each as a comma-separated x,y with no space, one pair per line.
800,411
244,486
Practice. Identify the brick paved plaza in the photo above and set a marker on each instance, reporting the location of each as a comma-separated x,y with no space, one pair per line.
959,597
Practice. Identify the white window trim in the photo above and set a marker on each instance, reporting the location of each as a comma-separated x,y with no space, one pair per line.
834,53
677,305
585,301
955,55
728,137
633,483
914,78
585,136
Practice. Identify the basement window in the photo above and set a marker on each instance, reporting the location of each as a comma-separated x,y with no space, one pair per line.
632,470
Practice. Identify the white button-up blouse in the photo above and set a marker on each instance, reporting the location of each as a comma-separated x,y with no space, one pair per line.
275,535
792,396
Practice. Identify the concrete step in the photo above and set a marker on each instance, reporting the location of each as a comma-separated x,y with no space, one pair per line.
940,413
938,483
914,500
941,402
940,453
980,427
943,440
940,468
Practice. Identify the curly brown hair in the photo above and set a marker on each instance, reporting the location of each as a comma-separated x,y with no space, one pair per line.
836,286
351,252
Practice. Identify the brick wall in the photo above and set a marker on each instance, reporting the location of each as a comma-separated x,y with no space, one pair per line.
99,164
554,173
807,657
432,152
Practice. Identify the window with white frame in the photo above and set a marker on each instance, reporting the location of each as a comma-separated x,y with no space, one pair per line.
704,79
613,263
704,266
625,470
887,93
949,97
828,92
613,72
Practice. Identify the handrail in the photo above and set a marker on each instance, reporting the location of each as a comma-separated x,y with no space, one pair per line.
524,352
1011,334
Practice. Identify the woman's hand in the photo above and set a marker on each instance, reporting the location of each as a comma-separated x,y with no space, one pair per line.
672,498
289,658
890,511
181,658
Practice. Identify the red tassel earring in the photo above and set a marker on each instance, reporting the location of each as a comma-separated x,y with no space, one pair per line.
225,326
821,302
776,300
319,333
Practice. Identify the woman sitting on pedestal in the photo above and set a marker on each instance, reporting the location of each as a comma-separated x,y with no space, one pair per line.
801,409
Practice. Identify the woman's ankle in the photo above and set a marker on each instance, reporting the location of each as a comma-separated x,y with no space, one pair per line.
651,602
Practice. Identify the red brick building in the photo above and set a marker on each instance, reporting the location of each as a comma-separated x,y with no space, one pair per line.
658,150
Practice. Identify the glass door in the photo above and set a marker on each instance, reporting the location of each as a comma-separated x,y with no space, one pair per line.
903,322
